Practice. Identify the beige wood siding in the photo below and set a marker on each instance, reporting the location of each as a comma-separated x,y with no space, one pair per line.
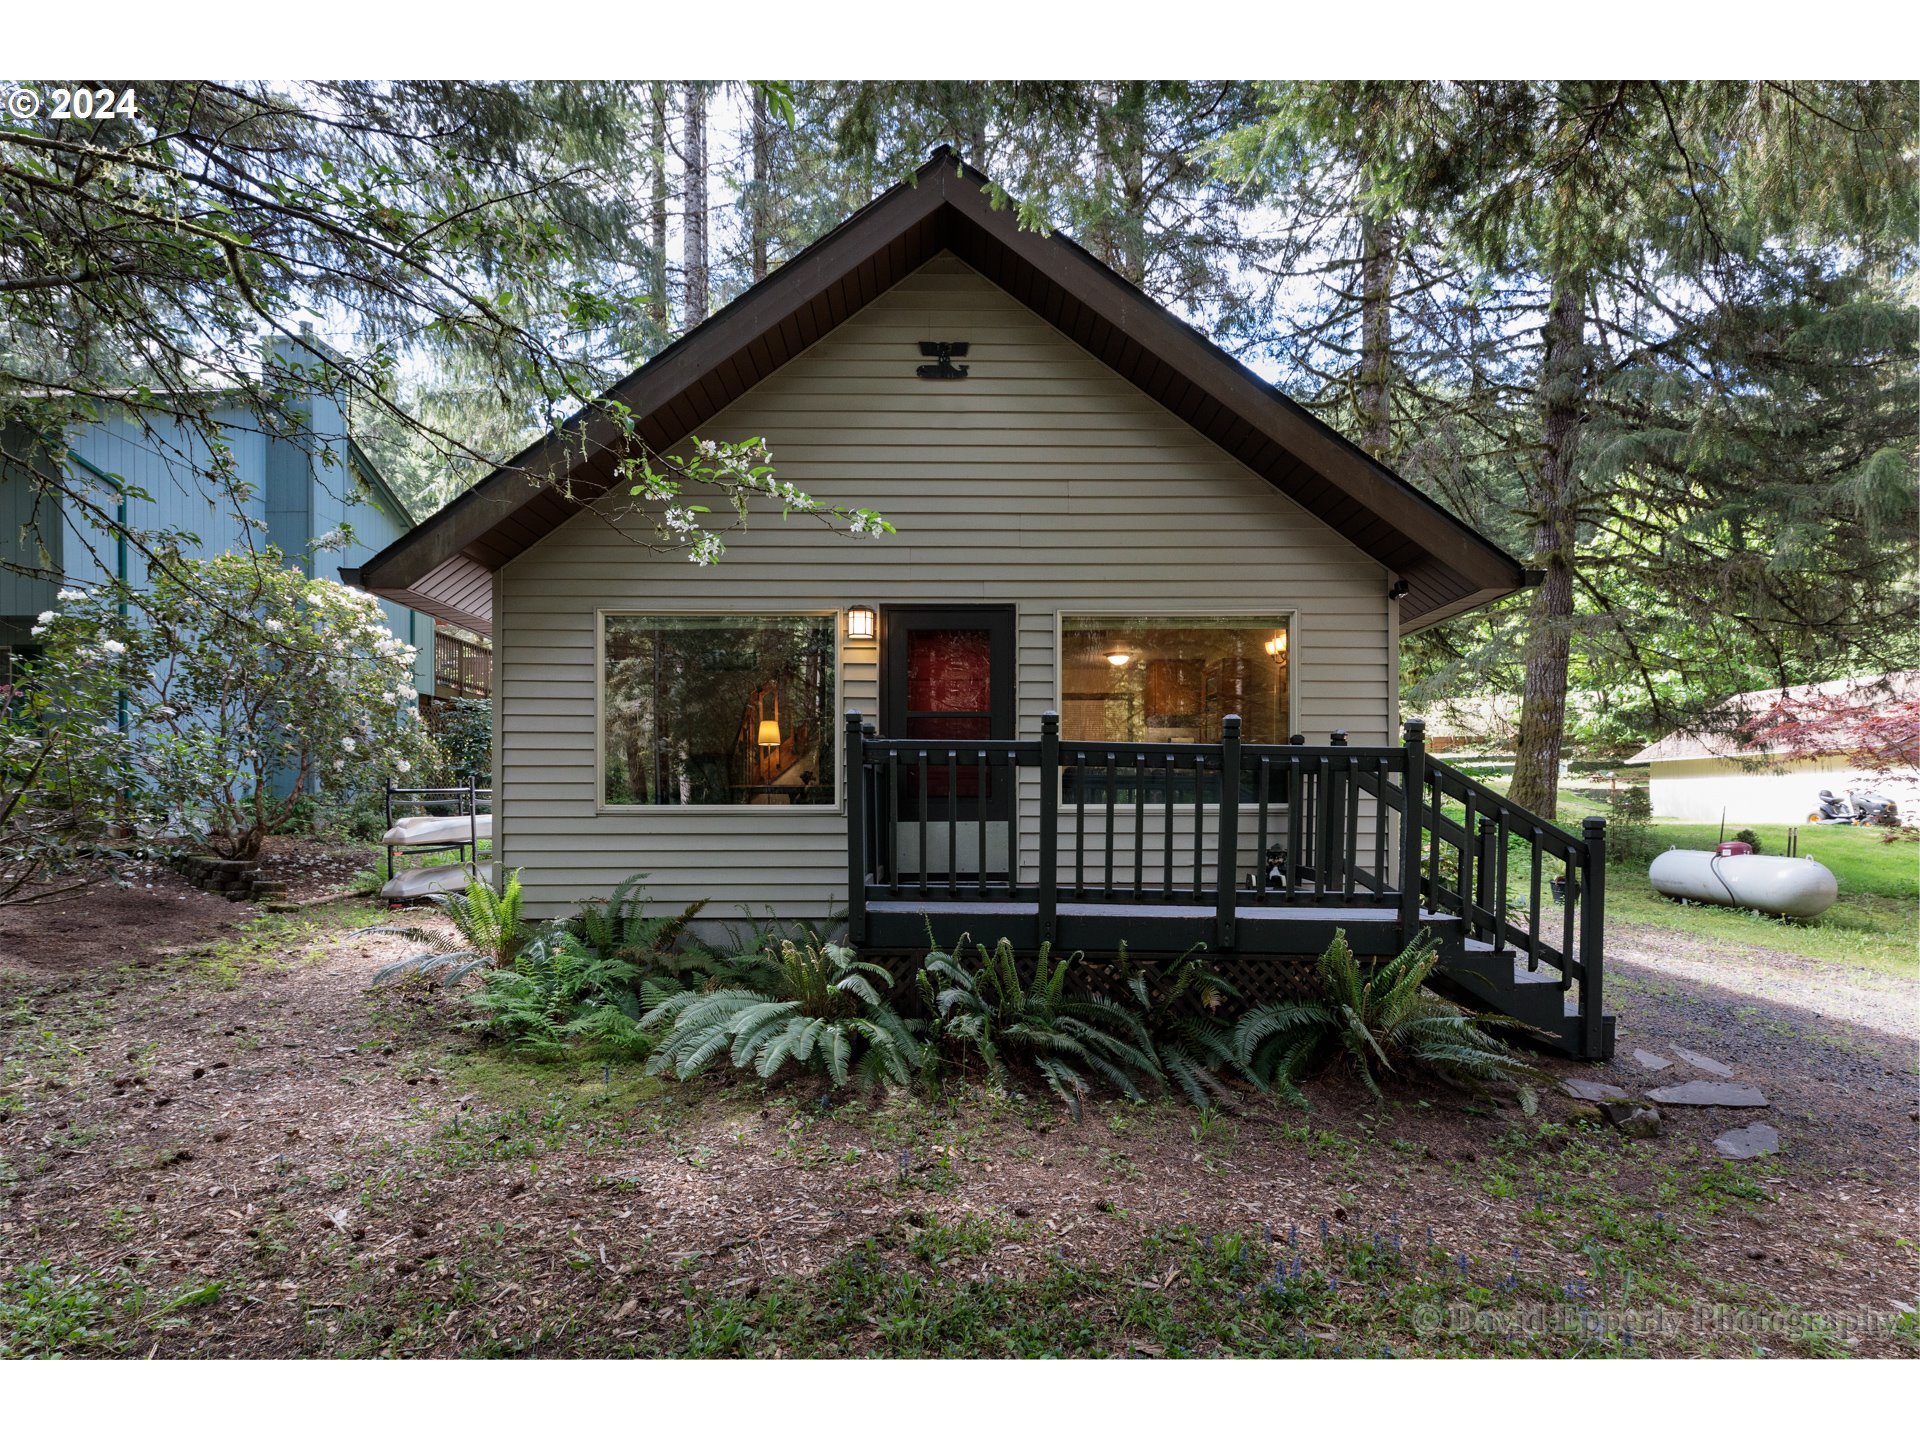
1043,481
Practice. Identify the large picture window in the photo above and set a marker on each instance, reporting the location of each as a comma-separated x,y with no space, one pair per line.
1174,678
1168,680
718,710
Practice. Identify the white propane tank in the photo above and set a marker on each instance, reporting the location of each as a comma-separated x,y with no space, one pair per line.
1771,883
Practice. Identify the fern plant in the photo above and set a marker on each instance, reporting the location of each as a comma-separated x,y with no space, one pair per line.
490,924
986,1009
1194,1049
621,927
559,991
1385,1017
811,1005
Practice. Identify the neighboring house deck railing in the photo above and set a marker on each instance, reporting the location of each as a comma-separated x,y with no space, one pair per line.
1088,845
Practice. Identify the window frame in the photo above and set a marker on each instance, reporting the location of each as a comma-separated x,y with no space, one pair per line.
602,806
1290,614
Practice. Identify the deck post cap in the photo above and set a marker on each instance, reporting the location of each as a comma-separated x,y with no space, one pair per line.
1230,726
1050,720
1593,823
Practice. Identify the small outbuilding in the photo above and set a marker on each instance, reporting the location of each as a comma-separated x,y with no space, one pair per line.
1771,753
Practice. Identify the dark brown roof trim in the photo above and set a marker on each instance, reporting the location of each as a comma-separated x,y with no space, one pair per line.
443,566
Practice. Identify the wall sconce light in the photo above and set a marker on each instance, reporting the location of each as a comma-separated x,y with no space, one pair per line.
1398,590
1119,659
862,623
1277,646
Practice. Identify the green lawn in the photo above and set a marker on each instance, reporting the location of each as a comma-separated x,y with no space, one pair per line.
1875,924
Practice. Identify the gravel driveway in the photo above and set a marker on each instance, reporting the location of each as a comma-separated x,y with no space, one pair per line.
1833,1046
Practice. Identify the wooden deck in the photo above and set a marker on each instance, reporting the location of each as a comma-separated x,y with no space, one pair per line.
1254,852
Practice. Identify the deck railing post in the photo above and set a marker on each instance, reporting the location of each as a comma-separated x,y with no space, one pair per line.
1047,904
856,762
1227,859
1413,788
1593,830
1487,879
1333,808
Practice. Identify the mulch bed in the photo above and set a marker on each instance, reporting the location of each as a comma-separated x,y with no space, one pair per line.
278,1132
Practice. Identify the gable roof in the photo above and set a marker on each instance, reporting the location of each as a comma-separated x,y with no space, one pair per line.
445,565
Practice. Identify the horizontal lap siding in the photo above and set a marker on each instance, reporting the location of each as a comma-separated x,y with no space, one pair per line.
1042,481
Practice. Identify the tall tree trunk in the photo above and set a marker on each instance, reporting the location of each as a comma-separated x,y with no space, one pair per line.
1123,162
759,203
1378,241
1543,698
657,302
977,137
693,232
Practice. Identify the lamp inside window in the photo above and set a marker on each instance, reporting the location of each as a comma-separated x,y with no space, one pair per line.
770,723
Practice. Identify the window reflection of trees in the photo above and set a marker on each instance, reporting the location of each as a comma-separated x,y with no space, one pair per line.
684,702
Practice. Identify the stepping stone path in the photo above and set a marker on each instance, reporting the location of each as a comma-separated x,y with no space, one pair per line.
1704,1062
1647,1060
1749,1141
1707,1092
1592,1090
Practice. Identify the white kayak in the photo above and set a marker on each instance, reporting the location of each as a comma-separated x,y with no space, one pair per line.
1771,883
439,830
427,880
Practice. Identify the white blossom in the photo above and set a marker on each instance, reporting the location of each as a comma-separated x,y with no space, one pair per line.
402,766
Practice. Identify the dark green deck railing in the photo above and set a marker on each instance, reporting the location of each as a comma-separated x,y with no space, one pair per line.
1241,831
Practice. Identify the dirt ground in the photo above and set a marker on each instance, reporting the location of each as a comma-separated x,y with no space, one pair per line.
215,1140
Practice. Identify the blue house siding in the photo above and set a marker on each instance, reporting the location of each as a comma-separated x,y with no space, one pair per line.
31,549
294,491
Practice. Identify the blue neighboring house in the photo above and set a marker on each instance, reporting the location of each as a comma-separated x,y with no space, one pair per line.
303,488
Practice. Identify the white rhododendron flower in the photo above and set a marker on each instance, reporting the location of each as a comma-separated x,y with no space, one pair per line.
402,766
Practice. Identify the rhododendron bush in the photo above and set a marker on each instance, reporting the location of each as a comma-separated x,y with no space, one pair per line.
243,685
